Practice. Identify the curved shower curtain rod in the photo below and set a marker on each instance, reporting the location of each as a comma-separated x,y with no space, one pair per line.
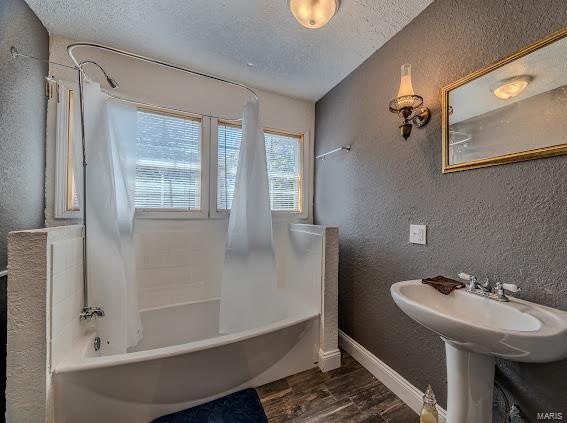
73,46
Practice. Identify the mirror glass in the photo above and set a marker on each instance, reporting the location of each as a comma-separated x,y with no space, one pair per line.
514,110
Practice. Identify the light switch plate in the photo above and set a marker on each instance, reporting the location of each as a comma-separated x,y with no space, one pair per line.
418,234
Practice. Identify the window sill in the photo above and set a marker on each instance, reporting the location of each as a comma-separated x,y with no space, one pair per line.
169,214
199,215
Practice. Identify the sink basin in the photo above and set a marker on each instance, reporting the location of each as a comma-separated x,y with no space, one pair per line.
477,329
517,330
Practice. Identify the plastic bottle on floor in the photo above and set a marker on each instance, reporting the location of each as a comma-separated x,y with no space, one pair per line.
429,411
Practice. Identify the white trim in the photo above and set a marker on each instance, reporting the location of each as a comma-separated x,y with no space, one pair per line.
205,165
214,143
329,360
3,273
61,152
408,393
307,188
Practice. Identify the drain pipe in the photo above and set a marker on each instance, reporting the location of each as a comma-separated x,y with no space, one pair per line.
511,413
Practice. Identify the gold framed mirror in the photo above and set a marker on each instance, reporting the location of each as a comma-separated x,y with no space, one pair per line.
510,111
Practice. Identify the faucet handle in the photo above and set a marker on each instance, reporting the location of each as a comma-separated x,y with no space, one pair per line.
466,276
511,287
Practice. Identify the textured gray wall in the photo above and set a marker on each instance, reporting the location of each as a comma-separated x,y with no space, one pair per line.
22,136
507,222
22,121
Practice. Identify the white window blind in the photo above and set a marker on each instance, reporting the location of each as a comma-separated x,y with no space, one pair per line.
66,201
72,195
229,137
168,161
284,170
283,154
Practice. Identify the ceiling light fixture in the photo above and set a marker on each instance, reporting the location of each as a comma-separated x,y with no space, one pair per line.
511,87
314,14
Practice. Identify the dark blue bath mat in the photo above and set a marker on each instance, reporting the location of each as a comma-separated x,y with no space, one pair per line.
240,407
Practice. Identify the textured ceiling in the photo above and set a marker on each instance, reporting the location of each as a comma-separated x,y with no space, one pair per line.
223,37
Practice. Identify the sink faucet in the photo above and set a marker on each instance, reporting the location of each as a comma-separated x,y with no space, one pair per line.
484,289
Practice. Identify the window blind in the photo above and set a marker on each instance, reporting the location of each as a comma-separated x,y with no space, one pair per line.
72,203
283,154
168,161
229,137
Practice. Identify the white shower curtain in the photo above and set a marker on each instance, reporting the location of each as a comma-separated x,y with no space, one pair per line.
249,293
110,132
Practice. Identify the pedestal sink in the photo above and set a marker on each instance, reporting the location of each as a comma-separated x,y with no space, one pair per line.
477,329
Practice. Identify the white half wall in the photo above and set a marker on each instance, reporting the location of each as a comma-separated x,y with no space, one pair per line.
45,298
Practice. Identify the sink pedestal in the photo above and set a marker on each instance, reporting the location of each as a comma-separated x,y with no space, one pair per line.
470,381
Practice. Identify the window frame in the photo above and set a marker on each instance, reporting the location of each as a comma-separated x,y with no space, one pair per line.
302,214
302,188
63,152
165,213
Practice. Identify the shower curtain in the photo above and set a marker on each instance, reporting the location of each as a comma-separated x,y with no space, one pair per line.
249,294
110,134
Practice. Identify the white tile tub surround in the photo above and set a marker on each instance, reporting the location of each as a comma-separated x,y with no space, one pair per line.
66,295
45,295
181,261
178,261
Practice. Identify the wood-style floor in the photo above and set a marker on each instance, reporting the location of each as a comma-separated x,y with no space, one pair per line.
348,394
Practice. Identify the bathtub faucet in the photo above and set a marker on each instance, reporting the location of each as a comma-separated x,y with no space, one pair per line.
89,313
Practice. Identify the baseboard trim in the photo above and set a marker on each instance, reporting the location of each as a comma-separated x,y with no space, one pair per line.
329,360
408,393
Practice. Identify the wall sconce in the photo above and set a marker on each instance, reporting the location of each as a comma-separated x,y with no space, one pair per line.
408,105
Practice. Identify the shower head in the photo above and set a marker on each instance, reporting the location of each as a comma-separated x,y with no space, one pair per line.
110,80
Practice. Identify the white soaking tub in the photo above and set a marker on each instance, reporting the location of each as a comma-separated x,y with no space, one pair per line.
182,361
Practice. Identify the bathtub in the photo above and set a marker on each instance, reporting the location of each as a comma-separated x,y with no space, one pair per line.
182,361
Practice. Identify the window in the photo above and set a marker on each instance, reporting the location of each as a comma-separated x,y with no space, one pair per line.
284,154
67,204
168,161
185,164
229,137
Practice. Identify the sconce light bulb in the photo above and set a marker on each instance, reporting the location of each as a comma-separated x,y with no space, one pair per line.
406,87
